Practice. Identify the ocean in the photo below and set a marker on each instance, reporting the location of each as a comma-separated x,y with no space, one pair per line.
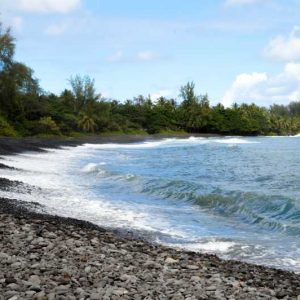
237,197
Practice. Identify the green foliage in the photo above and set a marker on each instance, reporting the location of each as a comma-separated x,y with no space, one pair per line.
27,110
6,129
83,92
47,126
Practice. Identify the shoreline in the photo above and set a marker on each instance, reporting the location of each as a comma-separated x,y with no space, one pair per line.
174,273
11,145
102,264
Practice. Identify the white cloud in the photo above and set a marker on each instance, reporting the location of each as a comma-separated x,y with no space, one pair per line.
264,89
147,56
292,70
241,2
161,93
285,48
245,85
116,57
42,6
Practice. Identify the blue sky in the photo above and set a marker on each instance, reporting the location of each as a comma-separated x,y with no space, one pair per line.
234,50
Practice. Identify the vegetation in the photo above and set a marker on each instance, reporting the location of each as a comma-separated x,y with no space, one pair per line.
25,109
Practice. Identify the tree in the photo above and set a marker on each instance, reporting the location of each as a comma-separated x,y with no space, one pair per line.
83,90
194,110
47,126
7,91
7,48
87,120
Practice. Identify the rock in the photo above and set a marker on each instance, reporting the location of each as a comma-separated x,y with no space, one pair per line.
10,294
95,242
95,296
195,279
51,235
128,278
40,296
13,286
10,280
152,264
34,279
211,288
192,267
51,296
16,265
120,292
30,293
281,294
62,289
35,288
170,260
81,262
35,266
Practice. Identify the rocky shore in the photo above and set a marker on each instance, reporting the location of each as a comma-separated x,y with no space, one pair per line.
46,257
49,257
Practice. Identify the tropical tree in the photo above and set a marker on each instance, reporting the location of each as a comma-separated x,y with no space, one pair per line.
87,119
83,91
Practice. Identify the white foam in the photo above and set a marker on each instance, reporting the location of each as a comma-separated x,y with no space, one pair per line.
234,141
92,167
208,246
143,145
56,172
172,142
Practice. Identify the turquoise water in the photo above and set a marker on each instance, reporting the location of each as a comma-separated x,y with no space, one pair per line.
237,197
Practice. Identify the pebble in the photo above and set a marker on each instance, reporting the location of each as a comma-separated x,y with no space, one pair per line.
67,260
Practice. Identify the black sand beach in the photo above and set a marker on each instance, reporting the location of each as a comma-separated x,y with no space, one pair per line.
50,257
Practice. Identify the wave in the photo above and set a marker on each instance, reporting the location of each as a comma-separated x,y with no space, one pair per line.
208,246
93,167
173,142
99,170
235,141
272,212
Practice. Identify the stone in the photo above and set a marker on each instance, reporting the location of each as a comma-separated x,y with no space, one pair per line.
40,296
195,279
35,288
95,296
170,260
120,292
211,288
192,267
34,279
13,286
10,280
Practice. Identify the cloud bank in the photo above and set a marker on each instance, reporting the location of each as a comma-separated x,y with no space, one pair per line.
42,6
284,48
264,89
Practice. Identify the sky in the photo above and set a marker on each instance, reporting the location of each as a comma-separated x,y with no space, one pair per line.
234,50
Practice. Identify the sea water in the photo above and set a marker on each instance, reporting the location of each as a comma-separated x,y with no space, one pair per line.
236,197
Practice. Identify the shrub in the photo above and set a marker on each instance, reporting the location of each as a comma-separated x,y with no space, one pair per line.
6,129
47,126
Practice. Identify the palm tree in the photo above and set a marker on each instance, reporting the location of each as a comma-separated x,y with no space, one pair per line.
87,121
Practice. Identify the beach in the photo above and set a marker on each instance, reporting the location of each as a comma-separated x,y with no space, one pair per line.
49,257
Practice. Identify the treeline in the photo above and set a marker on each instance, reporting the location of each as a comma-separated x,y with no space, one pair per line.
25,109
